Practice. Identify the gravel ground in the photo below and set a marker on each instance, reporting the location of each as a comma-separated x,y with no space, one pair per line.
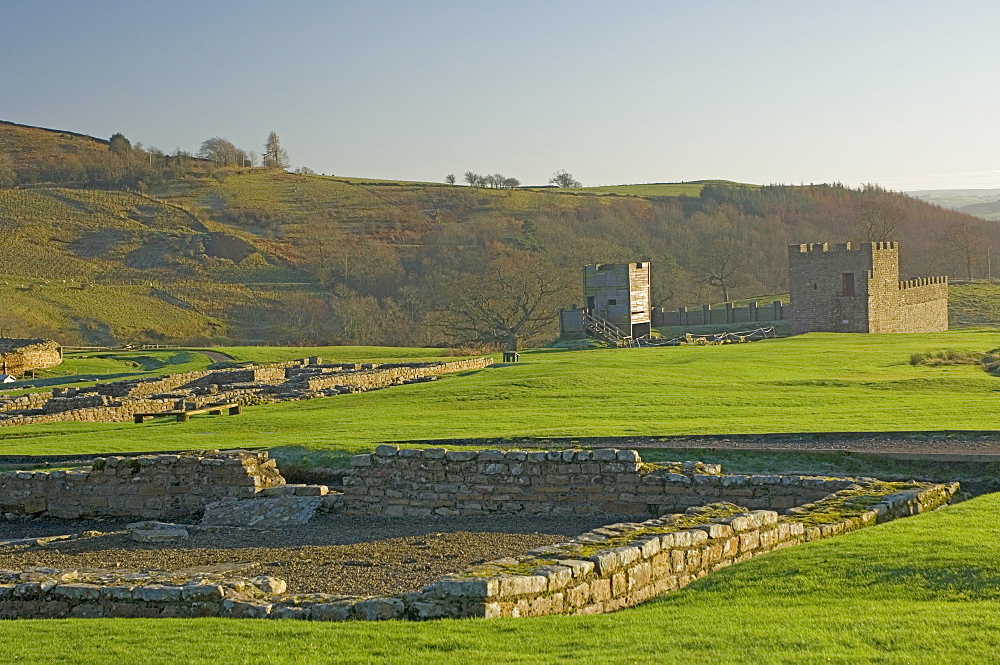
332,554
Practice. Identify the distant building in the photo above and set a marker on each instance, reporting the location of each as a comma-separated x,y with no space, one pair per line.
857,289
616,303
7,378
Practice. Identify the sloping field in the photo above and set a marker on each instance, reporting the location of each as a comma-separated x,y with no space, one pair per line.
656,189
919,590
809,383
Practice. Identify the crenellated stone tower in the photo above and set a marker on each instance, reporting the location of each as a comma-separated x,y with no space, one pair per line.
848,289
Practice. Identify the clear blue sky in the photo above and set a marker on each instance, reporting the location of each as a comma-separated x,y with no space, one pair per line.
902,93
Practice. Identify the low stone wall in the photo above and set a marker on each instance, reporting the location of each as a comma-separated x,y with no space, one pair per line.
148,486
601,571
435,481
387,375
119,401
625,564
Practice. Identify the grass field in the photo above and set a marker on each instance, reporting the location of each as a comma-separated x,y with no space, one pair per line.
816,382
655,190
919,590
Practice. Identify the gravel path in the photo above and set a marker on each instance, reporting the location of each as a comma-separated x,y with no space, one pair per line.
331,554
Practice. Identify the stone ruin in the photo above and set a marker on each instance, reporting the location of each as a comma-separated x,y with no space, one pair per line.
681,521
18,356
119,401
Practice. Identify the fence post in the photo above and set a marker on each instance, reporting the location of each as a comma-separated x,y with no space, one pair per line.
752,310
706,314
729,313
682,316
777,310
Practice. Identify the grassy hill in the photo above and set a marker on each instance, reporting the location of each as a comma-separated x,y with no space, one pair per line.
244,255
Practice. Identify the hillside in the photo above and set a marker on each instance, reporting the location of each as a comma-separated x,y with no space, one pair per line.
984,203
261,255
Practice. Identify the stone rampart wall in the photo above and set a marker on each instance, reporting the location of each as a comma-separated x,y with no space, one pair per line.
148,486
435,481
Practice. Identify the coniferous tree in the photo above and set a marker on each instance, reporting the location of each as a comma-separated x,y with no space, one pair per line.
275,156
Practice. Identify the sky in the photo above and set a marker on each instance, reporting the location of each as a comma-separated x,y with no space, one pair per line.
900,93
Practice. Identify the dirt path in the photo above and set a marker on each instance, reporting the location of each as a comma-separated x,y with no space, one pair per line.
216,356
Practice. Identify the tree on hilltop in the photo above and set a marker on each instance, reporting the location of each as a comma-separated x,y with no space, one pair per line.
223,152
119,145
275,157
450,179
564,179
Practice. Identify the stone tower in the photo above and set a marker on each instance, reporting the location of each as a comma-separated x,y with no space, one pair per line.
846,289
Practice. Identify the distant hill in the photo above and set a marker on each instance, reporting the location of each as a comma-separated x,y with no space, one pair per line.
170,248
984,203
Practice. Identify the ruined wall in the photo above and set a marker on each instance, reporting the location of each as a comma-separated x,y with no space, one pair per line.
392,374
607,569
148,486
21,355
119,401
435,481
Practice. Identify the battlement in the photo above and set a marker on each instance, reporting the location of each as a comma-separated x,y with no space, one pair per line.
922,281
817,247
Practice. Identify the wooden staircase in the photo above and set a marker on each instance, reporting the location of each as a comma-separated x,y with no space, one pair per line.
597,326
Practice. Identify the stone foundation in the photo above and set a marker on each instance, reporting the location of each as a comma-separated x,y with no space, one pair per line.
726,519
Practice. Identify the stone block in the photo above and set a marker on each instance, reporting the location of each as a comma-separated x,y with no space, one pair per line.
519,585
379,609
386,450
361,460
331,612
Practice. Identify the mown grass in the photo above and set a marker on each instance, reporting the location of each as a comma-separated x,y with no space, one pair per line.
919,590
809,383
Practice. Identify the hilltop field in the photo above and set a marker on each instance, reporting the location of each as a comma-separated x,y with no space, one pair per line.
912,590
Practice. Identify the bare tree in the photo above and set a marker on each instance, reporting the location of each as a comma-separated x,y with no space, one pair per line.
450,179
878,221
723,263
963,241
275,157
222,152
514,299
563,179
471,178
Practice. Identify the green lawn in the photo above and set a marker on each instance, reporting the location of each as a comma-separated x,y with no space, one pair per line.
815,382
919,590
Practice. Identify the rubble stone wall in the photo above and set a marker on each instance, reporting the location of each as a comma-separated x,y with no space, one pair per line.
148,486
435,481
20,355
388,375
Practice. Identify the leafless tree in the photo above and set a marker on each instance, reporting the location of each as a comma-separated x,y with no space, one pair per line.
564,179
450,179
963,241
878,221
513,300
